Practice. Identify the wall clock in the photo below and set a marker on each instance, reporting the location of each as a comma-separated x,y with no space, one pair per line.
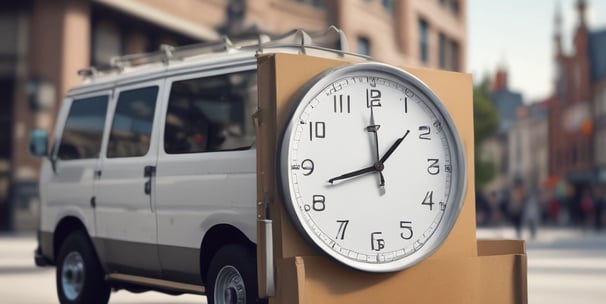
371,167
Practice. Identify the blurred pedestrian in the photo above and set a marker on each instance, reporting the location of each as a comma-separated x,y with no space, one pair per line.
554,210
496,201
586,209
483,212
516,206
532,211
599,205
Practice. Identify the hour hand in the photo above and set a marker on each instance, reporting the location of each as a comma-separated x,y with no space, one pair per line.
393,147
353,173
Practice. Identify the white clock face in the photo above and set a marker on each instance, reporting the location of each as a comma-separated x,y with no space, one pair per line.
372,169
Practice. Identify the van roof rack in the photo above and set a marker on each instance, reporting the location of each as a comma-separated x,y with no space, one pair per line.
330,40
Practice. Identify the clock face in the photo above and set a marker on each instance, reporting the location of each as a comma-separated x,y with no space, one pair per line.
371,167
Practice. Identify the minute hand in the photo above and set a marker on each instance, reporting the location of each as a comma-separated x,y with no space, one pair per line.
393,147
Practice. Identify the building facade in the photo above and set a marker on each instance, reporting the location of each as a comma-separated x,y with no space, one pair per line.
497,150
576,107
599,111
45,43
528,149
598,56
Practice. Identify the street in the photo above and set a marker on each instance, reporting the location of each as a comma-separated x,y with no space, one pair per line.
21,282
564,266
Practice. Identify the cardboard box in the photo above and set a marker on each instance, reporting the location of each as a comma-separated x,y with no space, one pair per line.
462,270
496,275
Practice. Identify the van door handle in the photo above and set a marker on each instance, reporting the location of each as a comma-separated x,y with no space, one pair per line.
149,172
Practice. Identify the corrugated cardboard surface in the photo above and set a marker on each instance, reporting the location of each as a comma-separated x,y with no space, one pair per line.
453,274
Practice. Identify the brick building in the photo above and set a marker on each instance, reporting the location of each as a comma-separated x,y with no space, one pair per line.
577,106
45,42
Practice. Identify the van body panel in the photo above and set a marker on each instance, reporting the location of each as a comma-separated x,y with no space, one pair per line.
67,185
196,191
125,218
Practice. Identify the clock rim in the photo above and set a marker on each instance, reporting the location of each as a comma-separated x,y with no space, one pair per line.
311,89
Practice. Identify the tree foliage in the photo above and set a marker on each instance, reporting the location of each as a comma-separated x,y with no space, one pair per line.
486,124
485,116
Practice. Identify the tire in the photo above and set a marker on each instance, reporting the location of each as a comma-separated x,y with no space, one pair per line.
232,276
79,276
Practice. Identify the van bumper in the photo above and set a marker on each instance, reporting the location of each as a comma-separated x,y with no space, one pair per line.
40,259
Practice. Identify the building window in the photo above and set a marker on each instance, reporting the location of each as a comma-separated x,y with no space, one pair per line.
115,33
387,6
107,43
448,53
454,7
451,5
423,41
454,55
364,46
317,3
442,45
314,3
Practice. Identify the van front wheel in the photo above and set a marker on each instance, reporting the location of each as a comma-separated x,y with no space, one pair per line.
79,275
232,276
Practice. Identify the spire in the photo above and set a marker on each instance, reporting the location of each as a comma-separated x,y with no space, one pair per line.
500,78
581,9
557,37
557,20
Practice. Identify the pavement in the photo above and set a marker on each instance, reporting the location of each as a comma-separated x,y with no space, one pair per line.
21,282
564,266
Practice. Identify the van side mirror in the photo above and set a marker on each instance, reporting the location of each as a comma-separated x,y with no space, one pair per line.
38,143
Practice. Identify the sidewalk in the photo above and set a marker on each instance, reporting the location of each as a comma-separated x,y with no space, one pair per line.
544,234
12,242
17,250
549,237
565,265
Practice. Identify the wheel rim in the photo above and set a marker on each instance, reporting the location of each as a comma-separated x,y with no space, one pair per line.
72,275
229,287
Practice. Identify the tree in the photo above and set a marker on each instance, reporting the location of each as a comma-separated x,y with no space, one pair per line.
486,124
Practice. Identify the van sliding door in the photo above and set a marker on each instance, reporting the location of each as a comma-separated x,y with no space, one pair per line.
126,223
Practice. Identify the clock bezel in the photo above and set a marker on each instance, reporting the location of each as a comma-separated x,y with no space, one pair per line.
309,91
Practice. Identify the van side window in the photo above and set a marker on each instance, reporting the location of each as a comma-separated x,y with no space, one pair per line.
83,129
211,114
133,121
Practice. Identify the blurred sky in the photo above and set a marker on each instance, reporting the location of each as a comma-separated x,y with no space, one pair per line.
519,34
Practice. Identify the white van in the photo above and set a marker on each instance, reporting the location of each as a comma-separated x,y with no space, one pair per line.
150,180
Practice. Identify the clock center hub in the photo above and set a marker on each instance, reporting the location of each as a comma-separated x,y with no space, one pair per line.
379,166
